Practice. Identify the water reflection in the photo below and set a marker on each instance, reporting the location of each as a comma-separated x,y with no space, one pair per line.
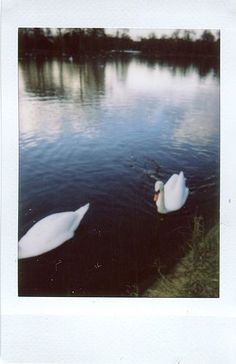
53,78
60,78
197,126
86,89
100,130
184,65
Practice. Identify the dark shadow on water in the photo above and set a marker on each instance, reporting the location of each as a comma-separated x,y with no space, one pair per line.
97,263
184,64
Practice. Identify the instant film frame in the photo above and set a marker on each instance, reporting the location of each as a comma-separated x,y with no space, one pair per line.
109,330
100,124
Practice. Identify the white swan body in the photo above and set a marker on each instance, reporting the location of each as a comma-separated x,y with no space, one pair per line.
50,232
171,196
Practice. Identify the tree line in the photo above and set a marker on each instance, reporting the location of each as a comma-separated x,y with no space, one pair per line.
82,41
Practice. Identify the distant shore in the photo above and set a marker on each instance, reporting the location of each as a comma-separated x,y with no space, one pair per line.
85,41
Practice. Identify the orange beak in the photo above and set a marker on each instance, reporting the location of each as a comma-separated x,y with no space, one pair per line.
156,195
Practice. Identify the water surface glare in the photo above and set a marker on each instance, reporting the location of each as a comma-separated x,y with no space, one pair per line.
101,131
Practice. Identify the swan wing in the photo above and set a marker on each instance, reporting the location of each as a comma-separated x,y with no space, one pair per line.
47,234
31,248
171,182
169,188
176,192
181,190
50,232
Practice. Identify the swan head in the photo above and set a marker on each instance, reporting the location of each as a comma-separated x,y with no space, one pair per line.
159,186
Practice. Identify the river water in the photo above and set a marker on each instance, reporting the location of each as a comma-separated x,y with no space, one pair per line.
102,130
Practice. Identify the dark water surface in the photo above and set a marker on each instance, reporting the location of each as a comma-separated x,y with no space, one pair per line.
101,131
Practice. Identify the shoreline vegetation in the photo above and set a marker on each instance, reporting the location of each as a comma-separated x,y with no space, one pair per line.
77,42
196,275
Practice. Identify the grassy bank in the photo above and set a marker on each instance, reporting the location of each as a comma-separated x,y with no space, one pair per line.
197,273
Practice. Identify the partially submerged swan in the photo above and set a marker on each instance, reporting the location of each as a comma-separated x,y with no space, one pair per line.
171,196
50,232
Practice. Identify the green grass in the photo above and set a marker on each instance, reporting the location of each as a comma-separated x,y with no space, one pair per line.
197,273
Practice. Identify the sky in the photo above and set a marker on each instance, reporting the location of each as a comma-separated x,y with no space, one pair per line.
137,33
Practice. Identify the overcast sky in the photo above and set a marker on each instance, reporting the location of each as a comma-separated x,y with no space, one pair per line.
137,33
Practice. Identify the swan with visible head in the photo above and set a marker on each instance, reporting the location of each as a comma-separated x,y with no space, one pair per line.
50,232
171,196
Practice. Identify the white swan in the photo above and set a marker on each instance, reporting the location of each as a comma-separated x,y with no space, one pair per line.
171,196
50,232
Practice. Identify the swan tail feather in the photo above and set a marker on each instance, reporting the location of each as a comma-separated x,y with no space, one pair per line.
82,210
79,214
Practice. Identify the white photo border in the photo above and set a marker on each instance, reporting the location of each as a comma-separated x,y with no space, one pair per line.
107,330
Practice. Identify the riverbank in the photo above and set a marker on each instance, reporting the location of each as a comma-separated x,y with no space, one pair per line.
197,273
85,41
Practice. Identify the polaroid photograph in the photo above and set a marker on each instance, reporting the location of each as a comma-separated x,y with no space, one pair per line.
119,141
118,182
